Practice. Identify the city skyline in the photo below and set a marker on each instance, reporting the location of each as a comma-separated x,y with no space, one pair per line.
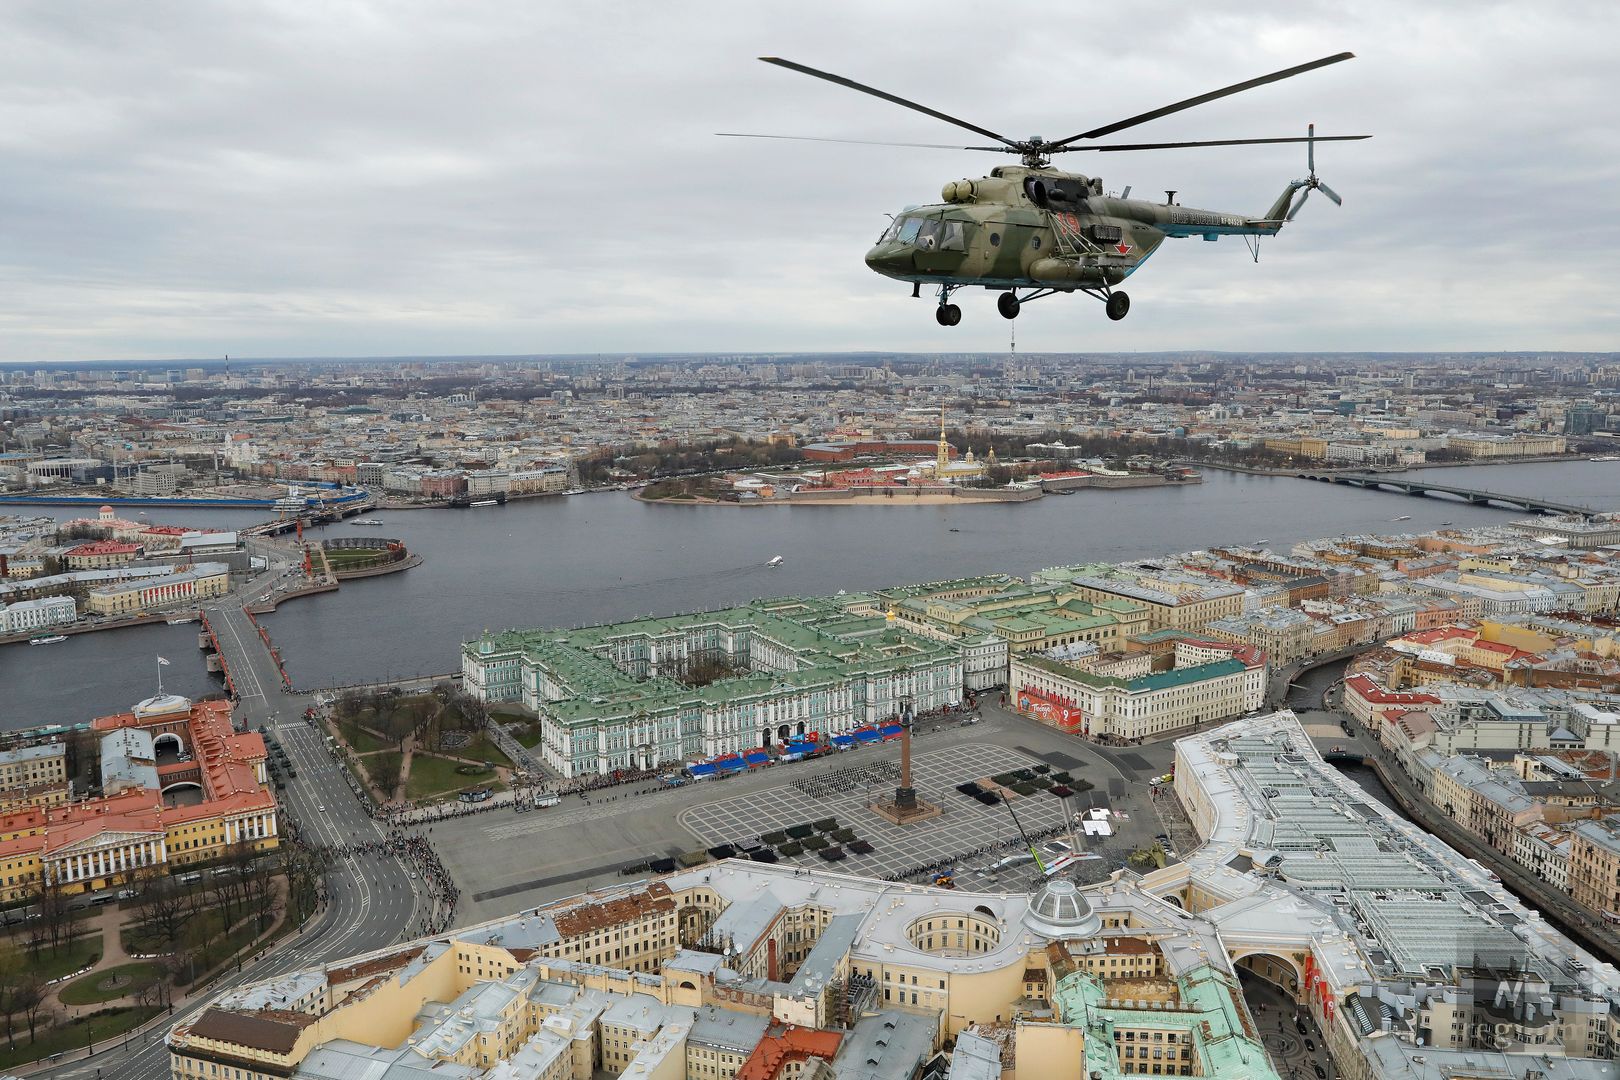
297,182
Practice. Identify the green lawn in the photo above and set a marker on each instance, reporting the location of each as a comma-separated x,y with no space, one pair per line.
433,776
481,749
529,737
345,558
363,741
73,956
99,1027
221,948
110,983
202,933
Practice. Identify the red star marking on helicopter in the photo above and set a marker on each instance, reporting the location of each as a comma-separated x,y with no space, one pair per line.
1123,248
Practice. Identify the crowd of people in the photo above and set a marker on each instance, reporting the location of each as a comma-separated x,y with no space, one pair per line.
847,779
579,785
422,863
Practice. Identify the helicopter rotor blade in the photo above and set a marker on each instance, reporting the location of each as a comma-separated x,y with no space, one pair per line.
892,98
1225,91
859,142
1116,147
1298,206
1330,193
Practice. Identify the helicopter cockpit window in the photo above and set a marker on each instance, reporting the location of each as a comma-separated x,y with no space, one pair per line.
890,232
928,235
951,236
908,230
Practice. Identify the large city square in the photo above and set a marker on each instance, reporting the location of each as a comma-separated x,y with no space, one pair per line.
501,860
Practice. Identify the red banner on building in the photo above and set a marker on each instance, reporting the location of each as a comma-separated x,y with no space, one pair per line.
1050,709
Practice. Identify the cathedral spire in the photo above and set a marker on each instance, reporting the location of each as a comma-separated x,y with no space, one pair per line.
943,457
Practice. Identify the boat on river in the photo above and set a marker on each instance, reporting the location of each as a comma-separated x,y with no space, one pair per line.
49,639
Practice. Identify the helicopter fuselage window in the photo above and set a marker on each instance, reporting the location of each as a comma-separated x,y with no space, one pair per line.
995,239
908,230
952,236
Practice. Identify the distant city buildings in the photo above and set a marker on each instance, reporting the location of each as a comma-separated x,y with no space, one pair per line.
431,431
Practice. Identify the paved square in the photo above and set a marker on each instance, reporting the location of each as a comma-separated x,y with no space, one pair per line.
967,835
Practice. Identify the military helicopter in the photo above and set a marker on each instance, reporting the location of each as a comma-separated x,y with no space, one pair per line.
1029,231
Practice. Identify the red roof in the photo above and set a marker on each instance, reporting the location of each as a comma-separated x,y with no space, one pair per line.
104,547
1374,694
790,1045
225,758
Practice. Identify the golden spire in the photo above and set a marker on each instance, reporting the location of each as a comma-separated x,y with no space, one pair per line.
943,457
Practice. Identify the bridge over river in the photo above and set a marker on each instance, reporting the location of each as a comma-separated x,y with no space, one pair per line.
1424,488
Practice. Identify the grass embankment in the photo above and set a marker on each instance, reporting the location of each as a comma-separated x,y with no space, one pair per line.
99,1027
202,936
74,955
112,983
436,778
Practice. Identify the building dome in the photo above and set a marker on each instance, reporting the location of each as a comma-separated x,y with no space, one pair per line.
1057,910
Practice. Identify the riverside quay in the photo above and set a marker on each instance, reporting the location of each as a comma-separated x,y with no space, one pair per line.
652,692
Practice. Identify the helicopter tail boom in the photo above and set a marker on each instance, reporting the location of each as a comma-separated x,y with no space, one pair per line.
1279,209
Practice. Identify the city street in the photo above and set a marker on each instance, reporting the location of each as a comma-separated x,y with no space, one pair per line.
1289,1033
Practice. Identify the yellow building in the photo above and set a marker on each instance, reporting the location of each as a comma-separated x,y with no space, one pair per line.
1303,446
97,843
172,590
1495,446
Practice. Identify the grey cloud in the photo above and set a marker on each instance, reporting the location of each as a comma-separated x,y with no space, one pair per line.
319,178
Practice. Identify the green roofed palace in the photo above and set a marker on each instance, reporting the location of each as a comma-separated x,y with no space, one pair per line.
659,691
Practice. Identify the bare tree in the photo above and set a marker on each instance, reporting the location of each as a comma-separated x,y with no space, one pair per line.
159,904
29,997
349,704
56,920
9,972
304,868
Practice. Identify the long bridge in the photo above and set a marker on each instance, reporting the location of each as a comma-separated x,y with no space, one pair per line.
1424,488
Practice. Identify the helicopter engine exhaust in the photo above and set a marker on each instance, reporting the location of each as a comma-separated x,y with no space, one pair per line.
1060,270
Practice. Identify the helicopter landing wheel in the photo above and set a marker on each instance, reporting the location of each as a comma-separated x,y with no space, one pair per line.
948,314
1119,305
1007,303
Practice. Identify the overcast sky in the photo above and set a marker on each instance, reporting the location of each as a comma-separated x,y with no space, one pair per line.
345,178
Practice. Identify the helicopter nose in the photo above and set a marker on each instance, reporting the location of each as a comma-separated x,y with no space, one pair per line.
890,259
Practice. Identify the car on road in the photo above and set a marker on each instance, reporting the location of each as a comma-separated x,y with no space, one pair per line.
1301,1025
1310,1044
1321,1073
321,809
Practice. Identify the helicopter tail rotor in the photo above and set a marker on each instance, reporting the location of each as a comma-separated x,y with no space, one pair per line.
1311,182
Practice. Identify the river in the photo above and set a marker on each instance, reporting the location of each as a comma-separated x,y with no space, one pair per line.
592,558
